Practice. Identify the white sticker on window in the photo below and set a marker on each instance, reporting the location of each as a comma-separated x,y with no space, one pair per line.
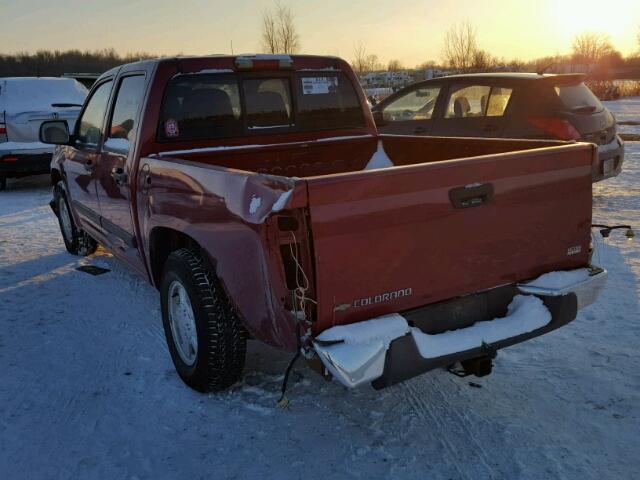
319,85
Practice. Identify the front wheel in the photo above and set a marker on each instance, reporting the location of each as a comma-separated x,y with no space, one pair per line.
76,241
205,338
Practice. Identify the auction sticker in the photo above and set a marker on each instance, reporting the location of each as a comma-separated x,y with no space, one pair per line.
171,128
319,85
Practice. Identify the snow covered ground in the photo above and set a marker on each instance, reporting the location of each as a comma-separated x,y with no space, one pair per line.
627,113
87,388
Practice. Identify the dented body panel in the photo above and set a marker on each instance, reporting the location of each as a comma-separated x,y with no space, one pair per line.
217,207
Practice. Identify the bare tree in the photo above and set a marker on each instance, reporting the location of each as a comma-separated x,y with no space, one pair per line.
394,66
590,47
359,62
460,46
372,63
363,62
279,34
270,40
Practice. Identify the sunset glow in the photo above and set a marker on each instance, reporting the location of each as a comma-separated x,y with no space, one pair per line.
411,31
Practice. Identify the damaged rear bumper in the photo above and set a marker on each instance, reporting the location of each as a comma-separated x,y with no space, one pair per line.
386,362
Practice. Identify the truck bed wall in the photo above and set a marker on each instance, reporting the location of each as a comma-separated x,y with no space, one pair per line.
311,159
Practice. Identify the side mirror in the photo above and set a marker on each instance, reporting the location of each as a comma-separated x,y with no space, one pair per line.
55,132
378,118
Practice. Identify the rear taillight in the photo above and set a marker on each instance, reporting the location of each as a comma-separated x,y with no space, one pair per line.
3,132
558,128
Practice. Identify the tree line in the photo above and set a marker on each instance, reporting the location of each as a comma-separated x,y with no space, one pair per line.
45,63
461,51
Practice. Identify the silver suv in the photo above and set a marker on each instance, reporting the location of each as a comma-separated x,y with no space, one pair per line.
25,102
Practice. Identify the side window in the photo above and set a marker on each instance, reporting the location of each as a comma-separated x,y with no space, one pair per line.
268,102
467,101
90,124
415,105
125,113
498,101
477,101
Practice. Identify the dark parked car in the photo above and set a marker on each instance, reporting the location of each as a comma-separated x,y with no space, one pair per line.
506,105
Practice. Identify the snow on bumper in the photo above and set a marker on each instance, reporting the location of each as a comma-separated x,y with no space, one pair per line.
586,283
356,354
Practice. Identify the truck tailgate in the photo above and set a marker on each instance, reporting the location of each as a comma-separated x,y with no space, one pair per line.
395,239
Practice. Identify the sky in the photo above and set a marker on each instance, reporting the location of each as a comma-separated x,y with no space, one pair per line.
411,31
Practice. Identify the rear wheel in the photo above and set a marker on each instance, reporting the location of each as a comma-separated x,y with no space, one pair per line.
205,338
76,241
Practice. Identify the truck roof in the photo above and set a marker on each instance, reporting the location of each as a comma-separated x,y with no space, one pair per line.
199,64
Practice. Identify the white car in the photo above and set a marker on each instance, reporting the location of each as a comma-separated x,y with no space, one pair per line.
25,102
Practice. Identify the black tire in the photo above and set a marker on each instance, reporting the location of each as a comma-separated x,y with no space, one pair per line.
76,241
3,183
221,342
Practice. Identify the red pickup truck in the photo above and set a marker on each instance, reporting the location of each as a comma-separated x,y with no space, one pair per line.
255,193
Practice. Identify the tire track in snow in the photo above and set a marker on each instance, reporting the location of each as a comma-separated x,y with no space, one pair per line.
441,413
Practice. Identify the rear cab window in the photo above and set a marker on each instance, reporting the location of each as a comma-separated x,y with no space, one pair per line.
327,101
268,103
226,105
201,106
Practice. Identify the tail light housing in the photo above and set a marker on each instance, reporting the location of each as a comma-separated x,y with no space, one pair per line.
3,132
557,127
263,62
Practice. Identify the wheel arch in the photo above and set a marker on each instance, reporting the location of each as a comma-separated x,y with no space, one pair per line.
163,241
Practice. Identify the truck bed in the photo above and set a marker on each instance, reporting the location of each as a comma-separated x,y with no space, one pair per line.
453,217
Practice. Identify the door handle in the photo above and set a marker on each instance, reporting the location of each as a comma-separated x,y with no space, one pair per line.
88,165
490,128
472,195
419,130
119,175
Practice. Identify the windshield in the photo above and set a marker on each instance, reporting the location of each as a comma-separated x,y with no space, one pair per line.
208,106
578,98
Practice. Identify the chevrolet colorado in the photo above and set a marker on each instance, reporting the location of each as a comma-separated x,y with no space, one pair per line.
255,193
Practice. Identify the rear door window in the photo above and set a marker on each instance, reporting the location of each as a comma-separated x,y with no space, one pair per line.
125,112
415,105
498,101
578,98
201,106
327,101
